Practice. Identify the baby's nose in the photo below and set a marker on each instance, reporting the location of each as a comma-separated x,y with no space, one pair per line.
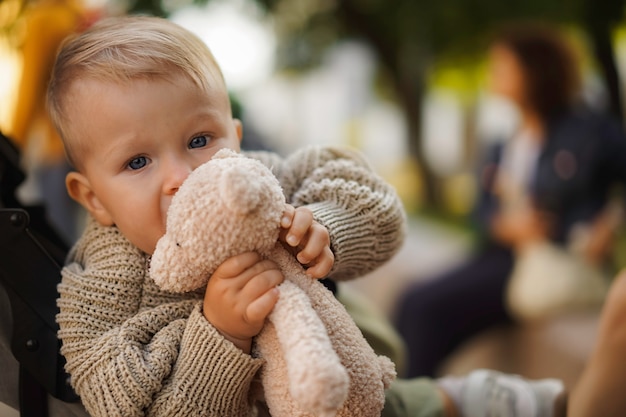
175,175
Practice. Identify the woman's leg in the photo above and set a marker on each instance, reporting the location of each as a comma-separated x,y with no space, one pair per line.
436,316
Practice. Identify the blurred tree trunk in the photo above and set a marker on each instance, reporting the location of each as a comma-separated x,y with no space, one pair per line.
600,19
405,62
411,89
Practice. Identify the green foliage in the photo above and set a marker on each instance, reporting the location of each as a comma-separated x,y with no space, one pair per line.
151,7
410,33
422,27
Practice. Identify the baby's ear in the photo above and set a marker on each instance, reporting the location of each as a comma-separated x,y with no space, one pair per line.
238,128
79,188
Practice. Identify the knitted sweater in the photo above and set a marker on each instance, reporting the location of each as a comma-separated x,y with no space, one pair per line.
134,350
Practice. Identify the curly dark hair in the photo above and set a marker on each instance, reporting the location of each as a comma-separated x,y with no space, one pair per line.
550,66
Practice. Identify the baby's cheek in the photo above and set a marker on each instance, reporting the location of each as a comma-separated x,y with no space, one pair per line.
150,239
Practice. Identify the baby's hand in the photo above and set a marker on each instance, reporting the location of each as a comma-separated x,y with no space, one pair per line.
240,295
308,240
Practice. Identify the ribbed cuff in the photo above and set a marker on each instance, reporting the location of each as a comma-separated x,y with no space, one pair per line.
213,372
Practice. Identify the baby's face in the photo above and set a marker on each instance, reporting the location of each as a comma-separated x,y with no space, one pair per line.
143,139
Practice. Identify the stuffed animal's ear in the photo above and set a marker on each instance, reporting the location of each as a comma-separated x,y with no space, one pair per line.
241,193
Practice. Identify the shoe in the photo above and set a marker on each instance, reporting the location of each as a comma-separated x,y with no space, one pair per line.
489,393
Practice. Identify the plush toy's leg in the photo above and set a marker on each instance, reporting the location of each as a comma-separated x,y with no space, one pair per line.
318,382
369,373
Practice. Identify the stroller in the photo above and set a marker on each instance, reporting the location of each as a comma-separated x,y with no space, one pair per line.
32,255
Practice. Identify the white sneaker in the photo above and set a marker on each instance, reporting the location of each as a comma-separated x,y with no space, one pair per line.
489,393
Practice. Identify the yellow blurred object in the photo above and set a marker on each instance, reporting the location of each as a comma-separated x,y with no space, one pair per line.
10,66
10,10
46,23
404,176
459,194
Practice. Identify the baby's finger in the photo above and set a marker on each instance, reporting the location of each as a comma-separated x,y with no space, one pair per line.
234,266
321,267
287,218
260,283
261,307
313,244
302,220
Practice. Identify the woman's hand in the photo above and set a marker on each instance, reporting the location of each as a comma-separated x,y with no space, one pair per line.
521,225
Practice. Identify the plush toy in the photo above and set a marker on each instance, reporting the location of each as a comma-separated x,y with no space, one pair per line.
316,361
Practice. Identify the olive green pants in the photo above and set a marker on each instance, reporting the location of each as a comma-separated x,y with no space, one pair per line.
417,397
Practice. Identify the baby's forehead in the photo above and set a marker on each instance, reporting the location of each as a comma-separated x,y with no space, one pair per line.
88,79
89,93
140,72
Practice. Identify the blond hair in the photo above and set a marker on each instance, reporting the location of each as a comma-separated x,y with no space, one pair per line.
122,49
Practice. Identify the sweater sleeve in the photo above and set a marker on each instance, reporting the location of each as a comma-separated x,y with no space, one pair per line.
128,359
362,212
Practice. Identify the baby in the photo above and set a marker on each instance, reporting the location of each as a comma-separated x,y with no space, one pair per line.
140,102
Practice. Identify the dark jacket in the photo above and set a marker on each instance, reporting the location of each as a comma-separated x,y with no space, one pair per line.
579,165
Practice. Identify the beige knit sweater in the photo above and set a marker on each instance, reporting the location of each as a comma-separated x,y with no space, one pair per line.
134,350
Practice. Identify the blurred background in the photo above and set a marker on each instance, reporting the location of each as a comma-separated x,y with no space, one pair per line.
404,81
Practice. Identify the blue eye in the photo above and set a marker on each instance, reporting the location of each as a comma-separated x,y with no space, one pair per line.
198,142
138,163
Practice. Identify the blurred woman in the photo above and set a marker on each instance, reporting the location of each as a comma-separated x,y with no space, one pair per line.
554,175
